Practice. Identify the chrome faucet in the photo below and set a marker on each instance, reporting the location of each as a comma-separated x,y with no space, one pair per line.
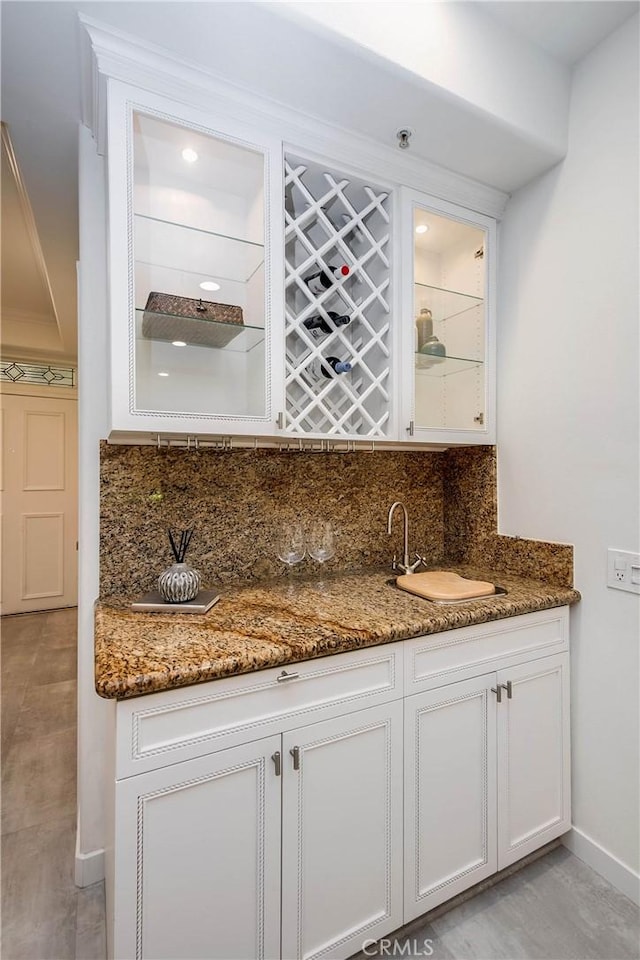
405,566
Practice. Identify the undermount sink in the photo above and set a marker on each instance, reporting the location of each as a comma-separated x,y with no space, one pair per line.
498,592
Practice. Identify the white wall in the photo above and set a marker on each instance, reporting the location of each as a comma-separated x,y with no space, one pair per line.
96,724
457,47
568,416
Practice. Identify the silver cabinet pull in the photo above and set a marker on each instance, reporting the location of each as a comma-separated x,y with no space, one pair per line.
498,692
286,676
508,686
277,761
295,753
280,421
410,428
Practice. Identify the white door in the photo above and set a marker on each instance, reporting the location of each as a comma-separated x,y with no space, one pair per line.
534,773
342,833
197,871
39,503
450,792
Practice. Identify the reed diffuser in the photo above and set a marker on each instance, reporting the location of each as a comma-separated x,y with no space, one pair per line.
180,582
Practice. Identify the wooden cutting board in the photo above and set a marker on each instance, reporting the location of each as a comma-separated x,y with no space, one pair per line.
441,585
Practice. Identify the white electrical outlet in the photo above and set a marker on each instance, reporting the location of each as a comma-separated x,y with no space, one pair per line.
623,570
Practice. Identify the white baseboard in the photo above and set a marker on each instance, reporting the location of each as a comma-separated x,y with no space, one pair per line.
618,874
89,868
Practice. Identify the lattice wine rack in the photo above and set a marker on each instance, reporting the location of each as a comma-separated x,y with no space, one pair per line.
333,221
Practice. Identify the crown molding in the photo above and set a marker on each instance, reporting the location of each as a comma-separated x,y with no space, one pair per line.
109,54
93,104
32,234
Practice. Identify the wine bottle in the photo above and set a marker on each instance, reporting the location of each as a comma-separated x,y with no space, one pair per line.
325,369
319,328
323,279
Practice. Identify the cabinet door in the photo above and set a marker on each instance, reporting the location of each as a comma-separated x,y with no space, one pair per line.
448,341
195,230
450,792
342,833
534,802
197,870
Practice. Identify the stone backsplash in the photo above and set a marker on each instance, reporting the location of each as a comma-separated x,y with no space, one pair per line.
238,500
470,486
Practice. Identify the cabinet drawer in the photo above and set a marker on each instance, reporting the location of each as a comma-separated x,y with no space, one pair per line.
164,728
458,654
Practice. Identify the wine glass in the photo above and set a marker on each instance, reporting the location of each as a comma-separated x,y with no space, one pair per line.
321,542
291,545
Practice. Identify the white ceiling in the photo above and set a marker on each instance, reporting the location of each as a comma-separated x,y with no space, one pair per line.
566,29
41,91
25,288
41,107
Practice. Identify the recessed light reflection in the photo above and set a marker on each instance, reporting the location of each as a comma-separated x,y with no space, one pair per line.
209,285
178,343
189,155
163,374
422,228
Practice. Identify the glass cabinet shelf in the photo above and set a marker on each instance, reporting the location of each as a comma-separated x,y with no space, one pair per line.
444,304
427,366
189,249
191,332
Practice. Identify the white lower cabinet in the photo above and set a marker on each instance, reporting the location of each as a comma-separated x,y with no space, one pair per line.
534,757
302,813
486,777
197,864
450,792
298,836
342,833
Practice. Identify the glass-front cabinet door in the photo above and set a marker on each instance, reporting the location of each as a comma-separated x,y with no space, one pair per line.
198,304
448,336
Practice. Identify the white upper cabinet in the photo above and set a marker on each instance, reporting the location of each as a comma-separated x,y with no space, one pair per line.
448,294
265,271
195,213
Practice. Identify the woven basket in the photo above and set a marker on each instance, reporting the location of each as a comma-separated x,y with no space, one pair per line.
200,322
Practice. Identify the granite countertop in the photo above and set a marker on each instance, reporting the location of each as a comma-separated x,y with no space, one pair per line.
276,623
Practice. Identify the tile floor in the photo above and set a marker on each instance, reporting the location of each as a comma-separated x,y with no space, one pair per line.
554,909
44,915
